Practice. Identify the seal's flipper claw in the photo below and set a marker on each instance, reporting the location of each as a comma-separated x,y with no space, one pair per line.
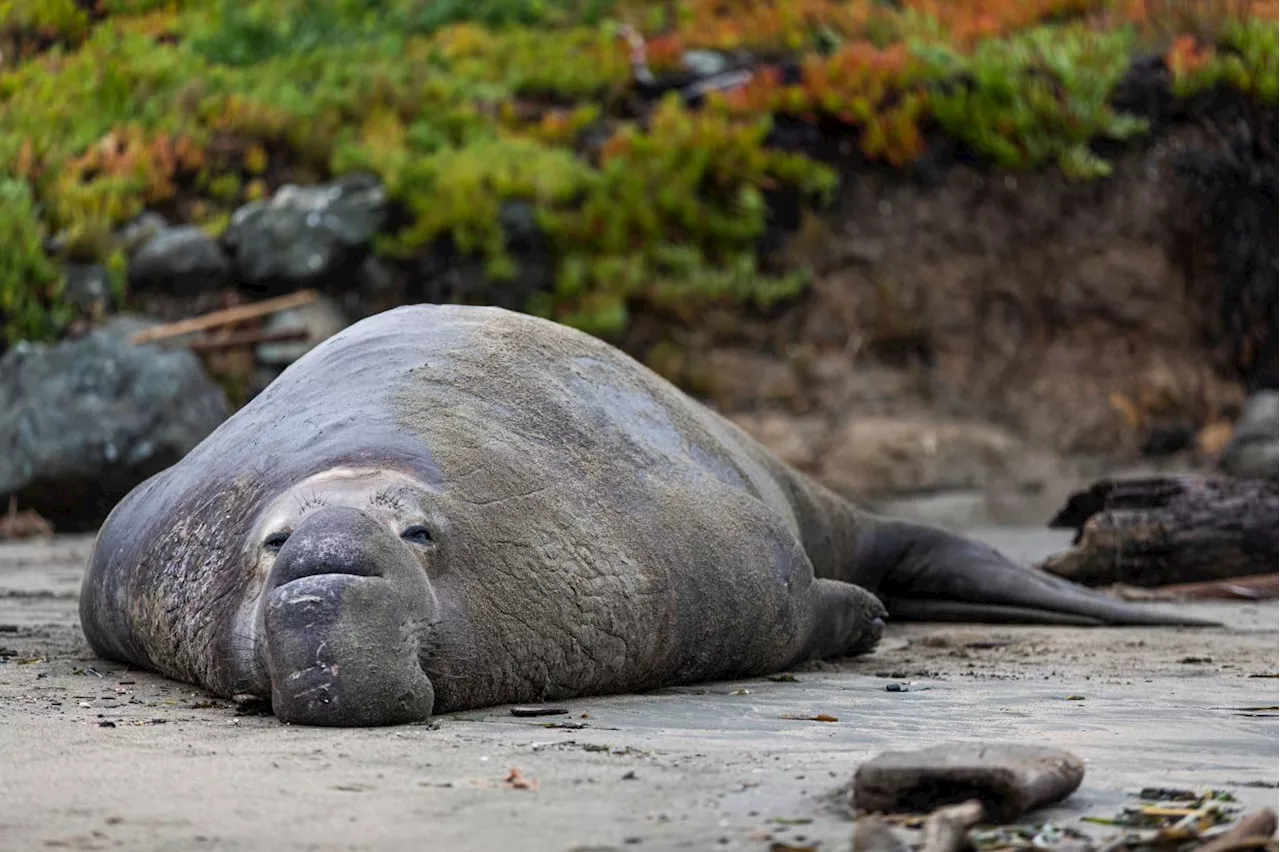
945,577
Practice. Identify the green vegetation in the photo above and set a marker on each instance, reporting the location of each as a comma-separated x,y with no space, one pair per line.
196,106
1041,97
30,286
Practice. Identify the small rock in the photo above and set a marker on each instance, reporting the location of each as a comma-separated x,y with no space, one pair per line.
82,422
704,63
306,234
182,260
88,288
1254,448
106,724
133,235
321,320
1009,779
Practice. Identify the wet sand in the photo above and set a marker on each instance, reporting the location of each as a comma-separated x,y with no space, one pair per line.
96,756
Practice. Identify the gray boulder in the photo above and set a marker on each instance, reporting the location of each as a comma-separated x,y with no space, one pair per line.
182,260
1254,448
306,234
82,422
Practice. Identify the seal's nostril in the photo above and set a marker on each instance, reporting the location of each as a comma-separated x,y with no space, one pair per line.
337,540
298,563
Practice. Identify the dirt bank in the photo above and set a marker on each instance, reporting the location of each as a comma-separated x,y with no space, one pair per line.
96,756
972,328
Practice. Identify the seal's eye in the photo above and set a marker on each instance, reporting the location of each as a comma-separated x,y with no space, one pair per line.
275,541
417,534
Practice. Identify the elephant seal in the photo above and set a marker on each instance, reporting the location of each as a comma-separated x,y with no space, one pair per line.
449,507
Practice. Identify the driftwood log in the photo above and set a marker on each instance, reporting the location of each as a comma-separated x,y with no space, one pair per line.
1157,531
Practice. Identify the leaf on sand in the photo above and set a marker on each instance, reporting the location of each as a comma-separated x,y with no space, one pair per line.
517,781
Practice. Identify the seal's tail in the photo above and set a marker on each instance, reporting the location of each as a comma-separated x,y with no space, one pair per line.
931,575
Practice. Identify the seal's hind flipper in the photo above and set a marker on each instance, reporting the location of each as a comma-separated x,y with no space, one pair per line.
926,574
923,609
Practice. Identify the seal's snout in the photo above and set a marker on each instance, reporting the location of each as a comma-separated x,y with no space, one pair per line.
338,540
341,618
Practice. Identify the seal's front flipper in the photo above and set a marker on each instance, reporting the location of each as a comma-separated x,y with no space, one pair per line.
848,621
926,574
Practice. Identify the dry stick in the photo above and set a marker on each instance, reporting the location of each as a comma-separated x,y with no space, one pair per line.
1251,832
1263,585
228,316
247,338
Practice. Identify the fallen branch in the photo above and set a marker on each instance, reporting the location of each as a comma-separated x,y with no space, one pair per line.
225,317
247,338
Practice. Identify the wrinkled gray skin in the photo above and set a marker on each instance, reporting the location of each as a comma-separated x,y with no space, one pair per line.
448,507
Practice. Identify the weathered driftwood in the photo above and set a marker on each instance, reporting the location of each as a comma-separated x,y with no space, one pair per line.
1160,530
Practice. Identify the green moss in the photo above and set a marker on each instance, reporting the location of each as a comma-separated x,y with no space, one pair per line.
1257,44
672,218
63,19
458,192
1246,59
1039,97
32,306
248,33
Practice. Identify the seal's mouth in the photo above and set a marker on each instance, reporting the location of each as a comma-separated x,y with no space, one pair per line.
342,650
